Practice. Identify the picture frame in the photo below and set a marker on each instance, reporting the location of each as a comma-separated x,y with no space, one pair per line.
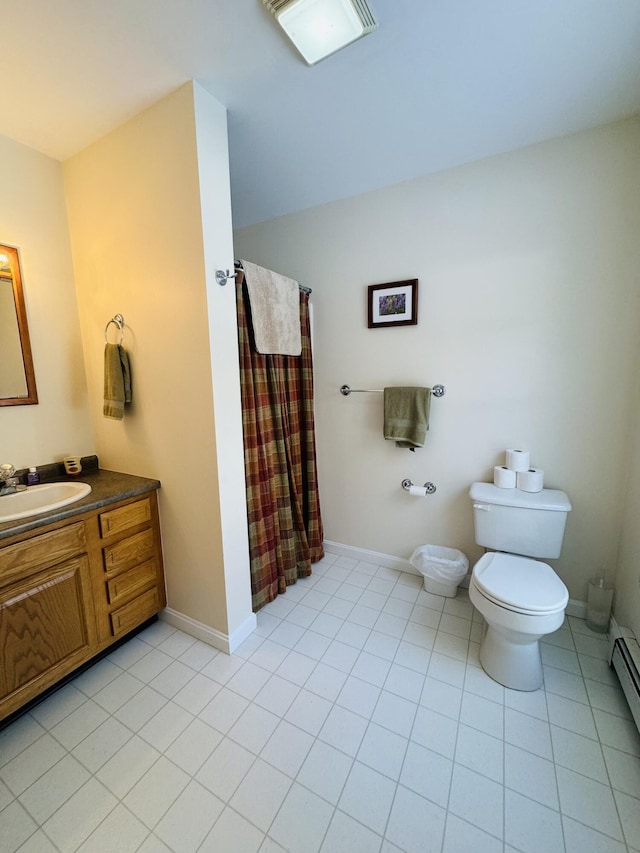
393,304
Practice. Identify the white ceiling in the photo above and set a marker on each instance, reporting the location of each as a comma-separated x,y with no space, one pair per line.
439,83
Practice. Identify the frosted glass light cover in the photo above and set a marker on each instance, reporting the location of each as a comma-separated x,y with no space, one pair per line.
319,28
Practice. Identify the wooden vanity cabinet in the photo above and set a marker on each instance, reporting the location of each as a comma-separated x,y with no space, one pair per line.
47,619
70,590
129,587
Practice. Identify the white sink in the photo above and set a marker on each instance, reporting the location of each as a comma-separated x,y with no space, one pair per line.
38,499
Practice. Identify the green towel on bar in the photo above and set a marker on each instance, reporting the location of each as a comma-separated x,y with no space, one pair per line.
406,415
117,381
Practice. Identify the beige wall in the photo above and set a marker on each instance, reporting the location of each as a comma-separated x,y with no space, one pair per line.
529,314
136,223
627,593
33,218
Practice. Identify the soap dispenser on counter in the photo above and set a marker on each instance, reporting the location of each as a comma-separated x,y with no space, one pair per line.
33,478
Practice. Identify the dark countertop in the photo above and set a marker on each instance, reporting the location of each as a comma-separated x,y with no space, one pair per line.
107,487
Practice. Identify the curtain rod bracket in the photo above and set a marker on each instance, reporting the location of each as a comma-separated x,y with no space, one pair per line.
223,276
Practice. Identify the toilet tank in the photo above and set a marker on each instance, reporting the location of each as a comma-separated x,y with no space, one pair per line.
527,523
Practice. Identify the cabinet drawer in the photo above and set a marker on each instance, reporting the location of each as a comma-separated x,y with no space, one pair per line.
117,520
127,584
128,617
129,552
43,551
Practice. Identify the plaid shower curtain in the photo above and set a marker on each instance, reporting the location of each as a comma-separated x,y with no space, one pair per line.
285,525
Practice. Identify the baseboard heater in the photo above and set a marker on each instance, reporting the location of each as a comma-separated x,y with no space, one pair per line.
625,659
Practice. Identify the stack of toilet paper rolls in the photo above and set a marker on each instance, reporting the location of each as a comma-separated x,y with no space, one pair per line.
517,473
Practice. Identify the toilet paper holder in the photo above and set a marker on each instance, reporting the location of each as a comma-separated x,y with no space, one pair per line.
430,487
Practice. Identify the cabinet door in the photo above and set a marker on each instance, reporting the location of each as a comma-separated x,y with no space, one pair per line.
46,628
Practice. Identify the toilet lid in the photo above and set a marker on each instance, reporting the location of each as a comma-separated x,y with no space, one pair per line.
520,583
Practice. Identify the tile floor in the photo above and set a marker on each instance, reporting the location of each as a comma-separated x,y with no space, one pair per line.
356,718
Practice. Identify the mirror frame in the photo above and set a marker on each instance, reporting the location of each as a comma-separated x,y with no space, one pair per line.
31,398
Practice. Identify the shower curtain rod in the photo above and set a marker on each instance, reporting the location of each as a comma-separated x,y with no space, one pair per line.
238,266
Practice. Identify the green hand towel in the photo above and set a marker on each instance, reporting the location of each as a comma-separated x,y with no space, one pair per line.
406,415
117,381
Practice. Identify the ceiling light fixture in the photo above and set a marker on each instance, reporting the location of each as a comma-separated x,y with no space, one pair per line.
319,28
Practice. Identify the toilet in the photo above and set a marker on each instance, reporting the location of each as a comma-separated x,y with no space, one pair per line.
520,597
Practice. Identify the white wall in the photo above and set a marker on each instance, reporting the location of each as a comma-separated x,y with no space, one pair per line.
138,201
33,217
529,313
627,592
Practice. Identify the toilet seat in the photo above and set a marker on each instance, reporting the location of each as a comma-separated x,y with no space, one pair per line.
519,584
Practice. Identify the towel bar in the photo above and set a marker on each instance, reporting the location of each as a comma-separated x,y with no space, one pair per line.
345,390
117,320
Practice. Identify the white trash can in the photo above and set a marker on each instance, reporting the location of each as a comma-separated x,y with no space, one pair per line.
442,568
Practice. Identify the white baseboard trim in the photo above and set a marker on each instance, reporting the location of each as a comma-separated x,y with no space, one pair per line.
577,608
574,607
227,643
374,557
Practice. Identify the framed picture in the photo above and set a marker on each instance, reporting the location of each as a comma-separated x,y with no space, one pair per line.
393,304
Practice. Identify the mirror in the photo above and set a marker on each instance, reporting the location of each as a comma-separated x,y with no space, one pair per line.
17,377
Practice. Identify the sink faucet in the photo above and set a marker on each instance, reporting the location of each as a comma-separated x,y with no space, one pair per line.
8,483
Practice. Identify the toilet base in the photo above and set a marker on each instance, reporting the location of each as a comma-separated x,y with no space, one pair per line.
513,662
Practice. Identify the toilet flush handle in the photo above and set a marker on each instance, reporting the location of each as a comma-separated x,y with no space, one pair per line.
483,507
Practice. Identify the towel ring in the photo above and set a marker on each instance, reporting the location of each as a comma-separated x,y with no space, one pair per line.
117,320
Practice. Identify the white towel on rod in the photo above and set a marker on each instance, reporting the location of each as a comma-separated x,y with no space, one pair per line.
275,310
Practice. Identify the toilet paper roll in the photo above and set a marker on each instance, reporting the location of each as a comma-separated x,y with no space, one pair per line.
504,478
517,460
530,480
418,491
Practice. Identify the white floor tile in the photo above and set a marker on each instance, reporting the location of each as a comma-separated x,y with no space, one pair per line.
629,811
346,835
97,677
287,748
427,773
165,726
325,771
225,769
528,733
223,710
127,766
589,802
344,730
462,837
441,697
30,764
482,714
81,815
157,790
415,823
376,731
260,794
578,753
188,821
480,752
395,713
530,775
308,711
383,750
531,827
15,827
477,799
54,788
435,732
367,797
232,832
140,708
193,746
580,839
617,732
301,836
119,832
